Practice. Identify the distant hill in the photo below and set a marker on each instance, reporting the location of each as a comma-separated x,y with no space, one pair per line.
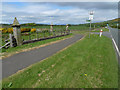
112,23
115,20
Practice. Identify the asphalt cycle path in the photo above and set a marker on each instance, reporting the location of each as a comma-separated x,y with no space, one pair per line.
22,60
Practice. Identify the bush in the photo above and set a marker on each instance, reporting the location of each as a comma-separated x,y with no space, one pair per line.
4,30
25,30
33,30
10,30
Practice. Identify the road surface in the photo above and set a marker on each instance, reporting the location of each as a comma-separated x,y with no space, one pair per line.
116,35
22,60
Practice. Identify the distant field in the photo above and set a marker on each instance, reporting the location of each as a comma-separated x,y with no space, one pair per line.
58,30
89,63
98,29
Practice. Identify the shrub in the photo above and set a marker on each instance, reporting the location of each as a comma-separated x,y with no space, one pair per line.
33,30
4,30
10,30
25,30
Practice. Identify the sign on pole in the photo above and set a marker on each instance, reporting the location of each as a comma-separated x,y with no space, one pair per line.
91,15
88,20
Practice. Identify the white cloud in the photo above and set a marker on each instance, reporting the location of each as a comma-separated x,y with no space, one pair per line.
60,0
40,13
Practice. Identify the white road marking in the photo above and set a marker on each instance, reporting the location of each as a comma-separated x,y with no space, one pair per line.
115,45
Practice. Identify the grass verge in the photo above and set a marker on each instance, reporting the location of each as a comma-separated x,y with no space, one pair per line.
89,63
98,30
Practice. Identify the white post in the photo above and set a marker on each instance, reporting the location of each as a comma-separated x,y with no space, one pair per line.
101,32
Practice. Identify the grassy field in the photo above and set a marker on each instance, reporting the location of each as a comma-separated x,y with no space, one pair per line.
33,35
98,30
89,63
61,27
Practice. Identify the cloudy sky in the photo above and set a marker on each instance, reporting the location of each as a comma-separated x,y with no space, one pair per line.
58,12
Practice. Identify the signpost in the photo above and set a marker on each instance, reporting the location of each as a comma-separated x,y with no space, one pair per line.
90,19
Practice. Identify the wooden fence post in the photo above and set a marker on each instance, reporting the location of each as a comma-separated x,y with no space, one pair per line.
29,36
17,31
67,28
37,35
51,27
44,33
10,36
49,33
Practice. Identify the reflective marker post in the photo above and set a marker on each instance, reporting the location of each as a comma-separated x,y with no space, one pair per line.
117,25
101,32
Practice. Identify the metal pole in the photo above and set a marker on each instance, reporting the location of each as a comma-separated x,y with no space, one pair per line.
90,29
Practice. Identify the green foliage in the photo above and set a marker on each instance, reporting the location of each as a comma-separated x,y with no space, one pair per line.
25,30
33,30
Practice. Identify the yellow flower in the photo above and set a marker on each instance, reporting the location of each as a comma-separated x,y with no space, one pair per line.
85,74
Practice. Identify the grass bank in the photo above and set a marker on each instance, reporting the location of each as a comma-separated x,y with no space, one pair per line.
89,63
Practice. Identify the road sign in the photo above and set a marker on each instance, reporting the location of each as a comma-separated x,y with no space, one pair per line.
88,20
91,15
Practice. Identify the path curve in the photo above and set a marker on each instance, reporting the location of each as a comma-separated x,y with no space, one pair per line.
22,60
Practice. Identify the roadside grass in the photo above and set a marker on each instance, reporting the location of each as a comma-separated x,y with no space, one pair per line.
89,63
11,51
83,32
98,30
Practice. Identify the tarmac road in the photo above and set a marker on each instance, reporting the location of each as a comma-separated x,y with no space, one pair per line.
22,60
116,35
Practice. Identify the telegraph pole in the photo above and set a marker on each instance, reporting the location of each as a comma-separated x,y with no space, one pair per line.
90,29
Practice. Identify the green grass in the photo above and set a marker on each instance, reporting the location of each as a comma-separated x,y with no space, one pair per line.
89,63
30,45
59,27
32,35
98,30
83,32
